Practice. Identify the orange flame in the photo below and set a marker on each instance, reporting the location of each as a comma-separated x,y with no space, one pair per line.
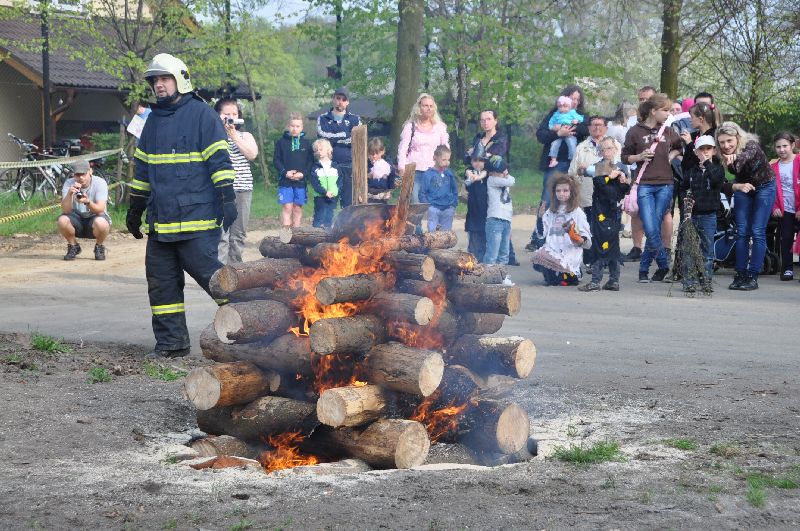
286,453
438,422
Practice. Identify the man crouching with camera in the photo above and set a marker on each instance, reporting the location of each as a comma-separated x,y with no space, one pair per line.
83,211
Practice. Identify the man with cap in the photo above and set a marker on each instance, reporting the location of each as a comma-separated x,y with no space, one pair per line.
336,126
184,179
83,211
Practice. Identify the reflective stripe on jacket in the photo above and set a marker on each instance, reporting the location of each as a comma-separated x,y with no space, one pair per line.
182,162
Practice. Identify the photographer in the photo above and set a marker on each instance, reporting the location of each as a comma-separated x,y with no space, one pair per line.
243,148
83,211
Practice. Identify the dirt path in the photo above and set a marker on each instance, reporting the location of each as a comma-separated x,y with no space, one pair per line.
637,368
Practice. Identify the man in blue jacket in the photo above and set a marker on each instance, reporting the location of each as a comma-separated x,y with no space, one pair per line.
336,126
184,178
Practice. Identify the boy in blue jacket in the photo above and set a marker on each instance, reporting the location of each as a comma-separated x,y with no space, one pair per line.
438,188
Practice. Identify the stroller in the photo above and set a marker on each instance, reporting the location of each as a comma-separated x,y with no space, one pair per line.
725,241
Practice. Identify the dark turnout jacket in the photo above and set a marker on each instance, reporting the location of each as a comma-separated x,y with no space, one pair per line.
182,167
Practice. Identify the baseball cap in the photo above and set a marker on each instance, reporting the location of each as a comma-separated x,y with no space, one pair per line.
705,140
342,91
80,166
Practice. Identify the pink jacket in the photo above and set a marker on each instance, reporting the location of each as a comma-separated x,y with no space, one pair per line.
422,146
779,192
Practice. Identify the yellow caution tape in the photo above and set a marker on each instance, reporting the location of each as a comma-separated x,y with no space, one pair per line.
37,211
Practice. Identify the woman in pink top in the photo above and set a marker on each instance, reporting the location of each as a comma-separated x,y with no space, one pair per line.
422,133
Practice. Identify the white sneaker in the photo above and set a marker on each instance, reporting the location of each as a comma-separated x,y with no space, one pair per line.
507,281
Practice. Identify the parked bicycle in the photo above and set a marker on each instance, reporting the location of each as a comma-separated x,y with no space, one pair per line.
47,180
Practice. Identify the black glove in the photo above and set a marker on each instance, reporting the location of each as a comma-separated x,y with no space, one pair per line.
229,214
134,218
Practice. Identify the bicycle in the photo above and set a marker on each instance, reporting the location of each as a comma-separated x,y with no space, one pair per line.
46,180
117,190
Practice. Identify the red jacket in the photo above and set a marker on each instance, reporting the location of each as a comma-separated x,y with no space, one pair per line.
796,180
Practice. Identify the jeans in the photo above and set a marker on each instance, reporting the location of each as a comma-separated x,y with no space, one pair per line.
415,188
323,211
654,200
562,167
572,145
751,212
440,218
346,191
231,243
498,234
706,225
477,243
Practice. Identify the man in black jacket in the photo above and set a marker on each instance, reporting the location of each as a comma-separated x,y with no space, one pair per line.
336,126
184,178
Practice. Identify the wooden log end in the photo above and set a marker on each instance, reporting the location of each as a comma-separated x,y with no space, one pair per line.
430,374
227,321
215,445
413,446
514,300
285,235
428,269
525,358
513,429
424,311
202,389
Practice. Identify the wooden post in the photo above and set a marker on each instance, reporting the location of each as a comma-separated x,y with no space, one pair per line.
398,223
359,139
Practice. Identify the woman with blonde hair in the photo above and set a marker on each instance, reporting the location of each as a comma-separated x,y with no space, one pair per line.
753,190
422,133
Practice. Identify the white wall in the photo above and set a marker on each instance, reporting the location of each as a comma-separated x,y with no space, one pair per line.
20,111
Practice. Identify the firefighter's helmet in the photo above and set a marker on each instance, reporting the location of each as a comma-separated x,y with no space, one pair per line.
165,64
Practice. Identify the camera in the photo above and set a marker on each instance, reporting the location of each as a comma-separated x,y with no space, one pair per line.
79,194
233,121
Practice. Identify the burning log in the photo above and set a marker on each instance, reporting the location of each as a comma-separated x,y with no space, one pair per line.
453,261
444,239
398,224
268,415
244,275
359,287
405,369
351,405
514,356
228,384
346,334
306,236
480,323
421,288
245,322
286,353
386,443
403,307
495,426
312,256
273,247
409,265
221,445
488,298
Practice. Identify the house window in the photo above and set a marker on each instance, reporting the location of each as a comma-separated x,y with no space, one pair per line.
70,6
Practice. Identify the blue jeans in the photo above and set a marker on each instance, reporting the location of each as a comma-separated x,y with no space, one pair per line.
323,211
654,200
440,218
706,225
572,145
562,167
498,234
751,212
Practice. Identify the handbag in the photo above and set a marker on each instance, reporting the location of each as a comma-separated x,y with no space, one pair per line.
630,203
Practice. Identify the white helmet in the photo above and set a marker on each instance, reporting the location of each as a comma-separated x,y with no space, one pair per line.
165,64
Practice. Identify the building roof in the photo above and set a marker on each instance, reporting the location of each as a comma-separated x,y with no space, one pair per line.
64,71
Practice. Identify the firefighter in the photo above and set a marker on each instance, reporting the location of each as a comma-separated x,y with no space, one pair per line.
184,179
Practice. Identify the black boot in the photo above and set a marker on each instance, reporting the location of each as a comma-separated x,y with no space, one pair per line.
750,283
738,280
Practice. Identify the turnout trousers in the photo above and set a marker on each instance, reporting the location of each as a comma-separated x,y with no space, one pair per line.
165,263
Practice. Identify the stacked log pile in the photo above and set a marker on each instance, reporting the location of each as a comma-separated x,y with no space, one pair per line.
371,346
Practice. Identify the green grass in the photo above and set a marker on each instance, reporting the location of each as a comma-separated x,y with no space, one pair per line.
13,359
48,344
167,374
241,526
681,444
726,450
598,453
98,375
171,524
756,492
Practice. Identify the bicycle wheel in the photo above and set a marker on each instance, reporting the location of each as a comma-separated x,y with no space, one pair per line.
8,180
26,186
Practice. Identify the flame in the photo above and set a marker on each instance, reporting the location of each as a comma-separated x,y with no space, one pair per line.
286,453
414,335
438,422
333,370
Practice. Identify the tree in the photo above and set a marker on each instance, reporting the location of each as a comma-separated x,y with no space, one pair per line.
670,47
410,30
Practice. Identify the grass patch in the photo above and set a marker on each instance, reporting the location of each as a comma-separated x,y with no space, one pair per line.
726,450
98,375
13,359
597,453
167,374
756,492
171,459
48,344
681,444
171,524
241,526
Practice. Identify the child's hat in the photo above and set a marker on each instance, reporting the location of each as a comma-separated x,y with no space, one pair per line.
705,140
496,164
564,100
